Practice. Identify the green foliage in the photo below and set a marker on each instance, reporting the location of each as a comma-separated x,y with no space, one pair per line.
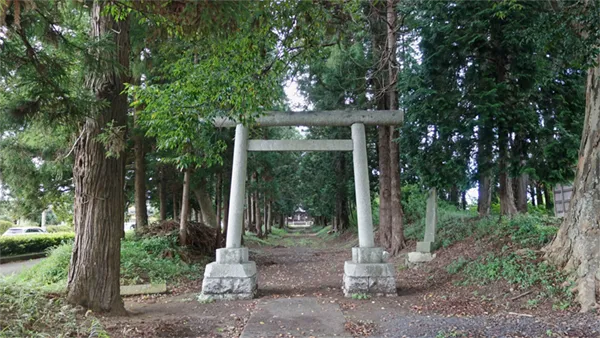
5,225
51,273
25,244
60,228
523,230
143,260
30,312
360,296
154,259
456,265
523,270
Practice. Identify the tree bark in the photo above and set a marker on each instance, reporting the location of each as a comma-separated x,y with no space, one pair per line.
385,215
258,220
269,222
206,207
342,218
484,159
576,247
548,196
185,207
521,193
484,199
162,194
219,203
99,208
397,226
505,192
141,212
538,192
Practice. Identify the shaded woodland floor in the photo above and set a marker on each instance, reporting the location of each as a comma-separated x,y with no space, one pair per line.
431,302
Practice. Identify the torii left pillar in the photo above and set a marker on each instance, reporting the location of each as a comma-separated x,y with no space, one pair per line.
232,275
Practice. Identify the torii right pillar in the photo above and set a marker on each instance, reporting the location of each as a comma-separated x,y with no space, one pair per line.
368,272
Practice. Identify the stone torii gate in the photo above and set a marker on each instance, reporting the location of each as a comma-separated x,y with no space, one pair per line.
233,275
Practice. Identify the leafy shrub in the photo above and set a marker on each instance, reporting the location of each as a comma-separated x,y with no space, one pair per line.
52,272
5,225
522,270
414,202
150,259
29,312
154,259
60,228
456,265
24,244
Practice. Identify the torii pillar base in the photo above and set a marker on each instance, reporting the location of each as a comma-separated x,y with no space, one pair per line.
231,277
369,273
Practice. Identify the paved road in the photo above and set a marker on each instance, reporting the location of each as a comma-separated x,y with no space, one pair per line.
15,267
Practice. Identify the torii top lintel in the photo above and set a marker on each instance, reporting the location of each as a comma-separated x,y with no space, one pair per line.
323,118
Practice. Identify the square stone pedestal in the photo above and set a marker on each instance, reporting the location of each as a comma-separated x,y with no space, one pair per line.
369,273
231,277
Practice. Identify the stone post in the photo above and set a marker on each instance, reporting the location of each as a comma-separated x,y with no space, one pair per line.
361,184
430,223
367,272
44,216
233,275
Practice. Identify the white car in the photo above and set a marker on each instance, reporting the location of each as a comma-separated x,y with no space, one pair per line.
24,231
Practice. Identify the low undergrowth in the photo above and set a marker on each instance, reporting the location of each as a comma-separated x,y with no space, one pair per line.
32,312
523,270
513,249
32,302
155,259
143,260
523,231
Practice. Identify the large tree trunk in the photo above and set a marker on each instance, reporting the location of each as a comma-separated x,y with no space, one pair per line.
576,247
162,194
219,203
484,160
484,199
396,192
539,194
206,207
258,220
505,191
185,207
397,226
521,184
342,218
99,207
548,196
377,20
385,193
141,212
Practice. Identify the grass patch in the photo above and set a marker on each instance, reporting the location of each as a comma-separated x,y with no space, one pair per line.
49,275
143,260
32,302
155,260
31,312
522,270
524,231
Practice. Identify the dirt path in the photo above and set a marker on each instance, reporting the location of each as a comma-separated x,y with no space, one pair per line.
429,303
